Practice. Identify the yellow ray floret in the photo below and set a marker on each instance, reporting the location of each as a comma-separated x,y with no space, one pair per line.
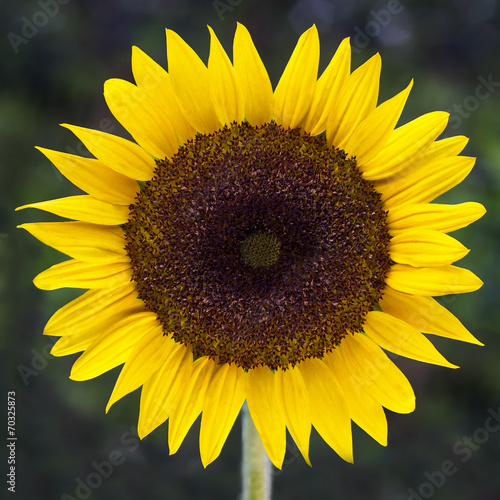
327,405
119,154
81,240
426,315
371,135
399,337
147,357
295,90
328,88
445,218
227,94
252,78
223,402
94,177
138,112
152,79
71,344
78,274
190,403
357,100
84,208
432,281
363,409
113,347
266,413
406,146
426,248
190,82
292,396
162,392
379,377
94,306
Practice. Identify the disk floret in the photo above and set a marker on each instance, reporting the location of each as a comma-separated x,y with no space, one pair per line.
258,245
260,249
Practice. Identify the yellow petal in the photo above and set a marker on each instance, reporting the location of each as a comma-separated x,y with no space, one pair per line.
113,347
117,153
425,314
425,248
431,281
223,402
81,240
427,182
94,177
253,79
363,409
356,100
328,88
224,86
190,403
266,413
162,392
451,146
77,274
291,394
295,90
377,374
92,307
406,146
147,357
224,398
88,333
85,208
189,78
141,116
329,413
372,134
155,81
399,337
71,344
445,218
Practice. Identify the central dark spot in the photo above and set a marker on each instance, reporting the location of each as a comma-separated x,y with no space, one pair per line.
260,249
258,246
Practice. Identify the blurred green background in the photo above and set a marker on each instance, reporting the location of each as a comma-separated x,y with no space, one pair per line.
55,56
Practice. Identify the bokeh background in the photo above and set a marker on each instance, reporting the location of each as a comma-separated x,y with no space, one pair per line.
55,56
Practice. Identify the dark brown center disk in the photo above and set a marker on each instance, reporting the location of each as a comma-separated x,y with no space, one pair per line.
258,246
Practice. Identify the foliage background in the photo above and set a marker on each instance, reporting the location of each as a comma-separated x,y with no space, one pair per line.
56,76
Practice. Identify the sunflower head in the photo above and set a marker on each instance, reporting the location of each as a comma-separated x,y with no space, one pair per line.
258,246
279,243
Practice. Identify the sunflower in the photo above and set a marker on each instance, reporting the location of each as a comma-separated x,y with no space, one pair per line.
258,245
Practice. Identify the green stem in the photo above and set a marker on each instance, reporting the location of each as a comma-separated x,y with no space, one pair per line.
256,466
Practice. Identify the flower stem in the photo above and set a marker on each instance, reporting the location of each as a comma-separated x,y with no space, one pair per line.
256,466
